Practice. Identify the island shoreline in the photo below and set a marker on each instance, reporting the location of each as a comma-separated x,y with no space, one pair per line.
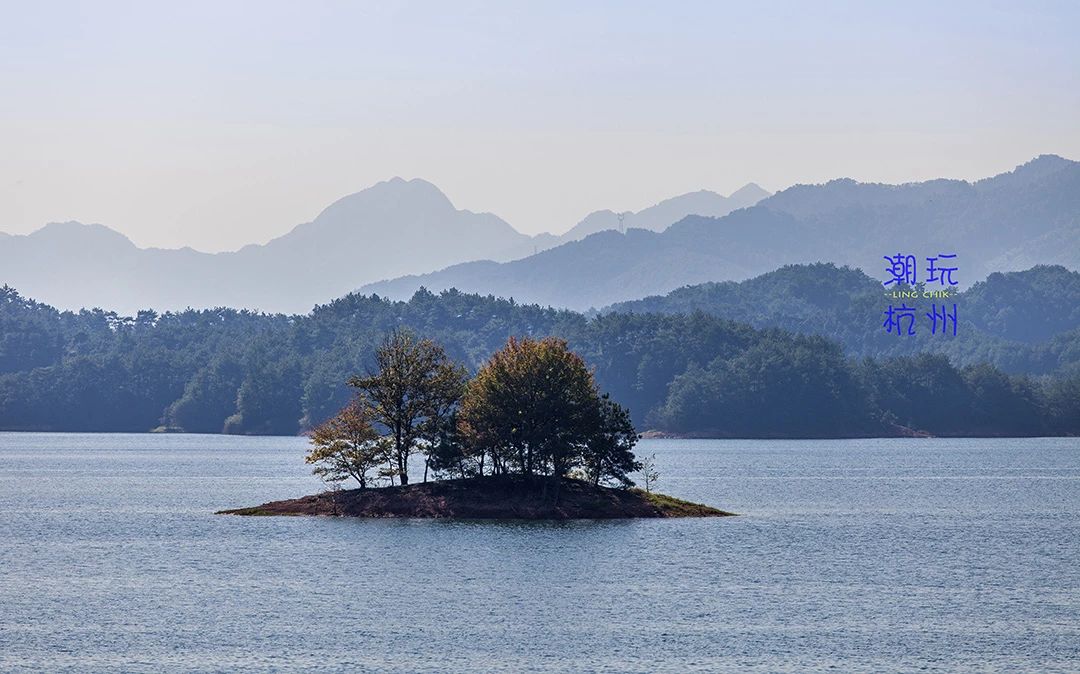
502,497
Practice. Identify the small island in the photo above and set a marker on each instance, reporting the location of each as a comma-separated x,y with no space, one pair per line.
528,437
488,497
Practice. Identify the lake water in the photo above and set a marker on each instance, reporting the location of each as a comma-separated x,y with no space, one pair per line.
867,555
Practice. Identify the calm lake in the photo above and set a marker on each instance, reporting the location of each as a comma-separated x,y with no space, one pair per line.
865,555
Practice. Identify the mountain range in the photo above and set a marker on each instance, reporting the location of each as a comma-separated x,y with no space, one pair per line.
393,228
388,238
1008,222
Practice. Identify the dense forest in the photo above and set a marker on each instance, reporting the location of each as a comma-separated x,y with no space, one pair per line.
696,373
1025,322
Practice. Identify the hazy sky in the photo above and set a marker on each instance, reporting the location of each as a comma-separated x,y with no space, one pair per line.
215,124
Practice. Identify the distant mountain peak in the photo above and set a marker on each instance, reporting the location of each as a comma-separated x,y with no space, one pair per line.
1043,164
402,186
1038,168
73,230
1049,158
750,190
748,195
415,184
394,195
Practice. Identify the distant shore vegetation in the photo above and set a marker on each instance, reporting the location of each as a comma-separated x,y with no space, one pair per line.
1013,371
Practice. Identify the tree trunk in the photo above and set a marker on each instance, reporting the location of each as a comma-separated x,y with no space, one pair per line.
403,467
557,479
402,457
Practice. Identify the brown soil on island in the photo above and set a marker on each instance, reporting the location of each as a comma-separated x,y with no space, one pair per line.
489,497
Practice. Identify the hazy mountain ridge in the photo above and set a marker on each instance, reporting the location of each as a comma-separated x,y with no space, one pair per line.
393,228
669,211
356,238
1009,222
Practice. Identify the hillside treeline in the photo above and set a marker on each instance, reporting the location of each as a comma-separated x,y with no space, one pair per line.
1022,322
231,371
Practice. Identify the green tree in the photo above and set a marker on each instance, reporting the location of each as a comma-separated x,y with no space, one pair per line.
609,454
347,445
534,409
445,455
415,384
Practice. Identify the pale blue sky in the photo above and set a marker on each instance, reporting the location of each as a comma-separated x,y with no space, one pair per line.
215,124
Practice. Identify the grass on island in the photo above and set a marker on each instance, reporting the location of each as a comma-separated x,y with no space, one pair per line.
677,507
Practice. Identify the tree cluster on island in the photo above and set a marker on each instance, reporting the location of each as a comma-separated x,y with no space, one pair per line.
532,410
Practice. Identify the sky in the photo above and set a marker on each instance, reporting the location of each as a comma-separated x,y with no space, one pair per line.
217,124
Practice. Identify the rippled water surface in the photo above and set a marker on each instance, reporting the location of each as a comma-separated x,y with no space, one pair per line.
870,555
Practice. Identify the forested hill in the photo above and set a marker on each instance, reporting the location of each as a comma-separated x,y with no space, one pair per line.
1022,322
243,372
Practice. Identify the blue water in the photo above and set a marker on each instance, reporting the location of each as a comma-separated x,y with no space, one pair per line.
869,555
